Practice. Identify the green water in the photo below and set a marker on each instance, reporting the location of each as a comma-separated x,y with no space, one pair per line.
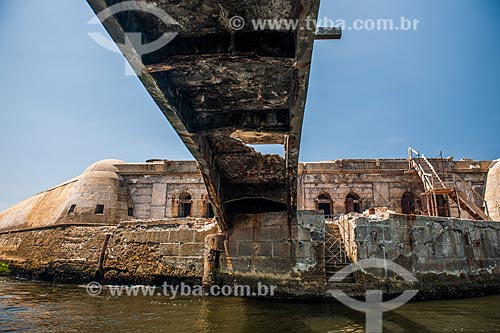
43,307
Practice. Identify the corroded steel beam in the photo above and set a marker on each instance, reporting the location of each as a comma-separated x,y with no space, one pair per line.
223,87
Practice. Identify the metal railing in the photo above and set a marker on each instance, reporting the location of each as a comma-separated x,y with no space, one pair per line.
341,243
463,194
469,195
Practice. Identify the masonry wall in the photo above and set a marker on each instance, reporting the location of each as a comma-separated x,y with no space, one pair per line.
158,250
265,248
382,188
156,187
136,252
157,197
153,190
63,253
378,182
261,248
431,245
450,257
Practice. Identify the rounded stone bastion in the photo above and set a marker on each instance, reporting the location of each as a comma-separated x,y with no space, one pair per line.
492,193
98,196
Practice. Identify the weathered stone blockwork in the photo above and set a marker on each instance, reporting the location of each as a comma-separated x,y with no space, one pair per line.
155,188
265,248
64,253
378,182
151,251
265,243
450,257
137,252
431,244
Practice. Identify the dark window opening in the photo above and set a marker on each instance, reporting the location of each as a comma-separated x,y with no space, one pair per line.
442,206
408,203
352,203
130,211
325,204
185,204
210,211
99,209
71,209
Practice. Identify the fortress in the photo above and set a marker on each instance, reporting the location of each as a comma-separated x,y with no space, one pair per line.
145,222
238,216
112,191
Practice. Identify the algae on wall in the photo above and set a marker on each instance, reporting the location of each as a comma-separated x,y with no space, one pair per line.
4,268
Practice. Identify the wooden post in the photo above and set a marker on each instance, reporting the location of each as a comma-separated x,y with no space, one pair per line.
456,195
435,206
213,249
100,264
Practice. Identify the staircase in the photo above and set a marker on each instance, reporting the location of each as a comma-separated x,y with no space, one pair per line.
454,187
469,206
336,251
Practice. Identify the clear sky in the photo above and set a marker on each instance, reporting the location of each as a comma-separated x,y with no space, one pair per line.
65,103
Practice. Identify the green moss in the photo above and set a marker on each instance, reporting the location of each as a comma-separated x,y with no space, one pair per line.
4,268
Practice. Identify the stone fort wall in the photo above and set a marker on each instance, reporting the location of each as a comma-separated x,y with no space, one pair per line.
378,182
157,189
132,252
112,191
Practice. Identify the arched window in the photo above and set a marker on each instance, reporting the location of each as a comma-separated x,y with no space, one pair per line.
442,206
352,203
210,211
408,203
325,204
185,204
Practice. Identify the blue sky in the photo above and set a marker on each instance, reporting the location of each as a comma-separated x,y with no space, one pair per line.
65,103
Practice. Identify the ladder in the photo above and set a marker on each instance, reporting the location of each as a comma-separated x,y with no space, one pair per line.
458,190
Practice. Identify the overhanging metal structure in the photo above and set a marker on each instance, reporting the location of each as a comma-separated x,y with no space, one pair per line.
223,90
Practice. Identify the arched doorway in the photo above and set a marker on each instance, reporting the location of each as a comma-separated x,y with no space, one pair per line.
325,204
408,203
185,203
352,203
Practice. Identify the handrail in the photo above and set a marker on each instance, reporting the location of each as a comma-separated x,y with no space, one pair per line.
433,170
423,175
470,192
469,187
347,232
413,164
412,151
429,184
